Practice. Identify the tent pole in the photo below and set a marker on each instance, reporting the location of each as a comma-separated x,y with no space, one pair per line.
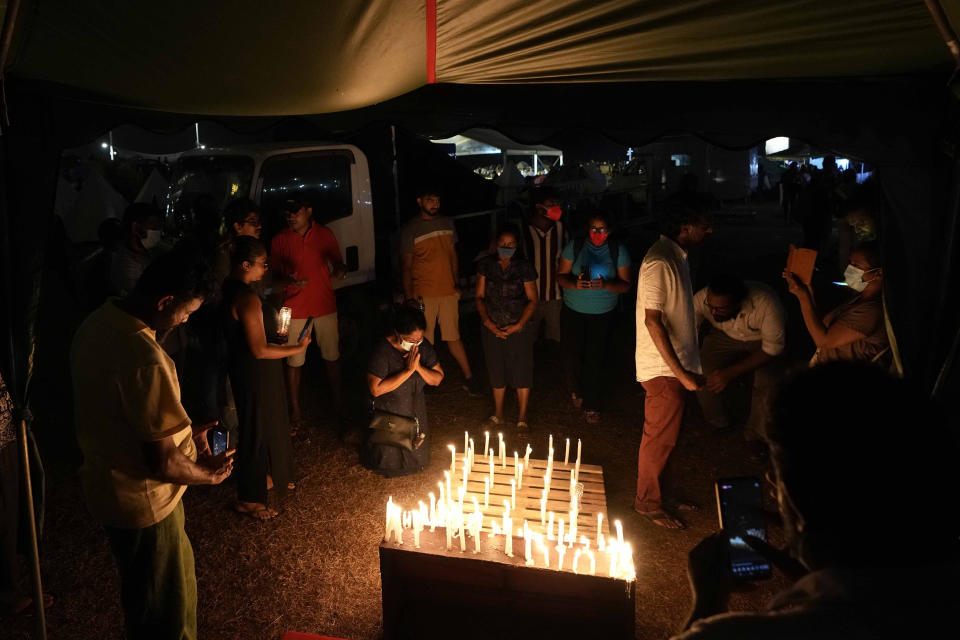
32,525
946,31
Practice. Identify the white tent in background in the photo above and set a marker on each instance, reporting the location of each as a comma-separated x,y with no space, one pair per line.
153,189
96,202
511,183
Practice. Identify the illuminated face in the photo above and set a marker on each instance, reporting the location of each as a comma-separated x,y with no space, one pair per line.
722,308
258,268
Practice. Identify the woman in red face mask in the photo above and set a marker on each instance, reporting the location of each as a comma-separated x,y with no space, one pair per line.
593,272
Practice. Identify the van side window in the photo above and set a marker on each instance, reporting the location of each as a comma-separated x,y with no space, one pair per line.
320,179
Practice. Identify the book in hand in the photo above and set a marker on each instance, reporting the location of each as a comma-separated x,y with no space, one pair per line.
800,262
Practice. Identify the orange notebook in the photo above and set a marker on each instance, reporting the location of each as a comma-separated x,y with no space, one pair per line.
801,263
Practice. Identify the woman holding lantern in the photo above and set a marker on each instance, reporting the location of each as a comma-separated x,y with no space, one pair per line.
264,452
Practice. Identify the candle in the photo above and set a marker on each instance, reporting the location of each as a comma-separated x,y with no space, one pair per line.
503,452
460,532
516,465
417,527
446,477
576,560
566,453
486,493
543,511
513,491
490,458
472,454
283,321
461,492
466,439
619,527
549,525
476,525
601,542
599,524
466,474
611,549
407,520
508,537
486,441
506,518
520,475
526,457
392,523
449,529
560,539
528,545
561,550
593,562
453,458
545,550
433,511
577,474
550,448
585,542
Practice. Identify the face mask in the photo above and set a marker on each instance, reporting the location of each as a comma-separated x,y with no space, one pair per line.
555,212
407,346
506,252
853,277
598,238
152,239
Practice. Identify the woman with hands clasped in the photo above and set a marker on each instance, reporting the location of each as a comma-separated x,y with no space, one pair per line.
264,452
856,329
401,365
506,299
593,272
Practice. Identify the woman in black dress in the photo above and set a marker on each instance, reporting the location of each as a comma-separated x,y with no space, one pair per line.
400,366
256,376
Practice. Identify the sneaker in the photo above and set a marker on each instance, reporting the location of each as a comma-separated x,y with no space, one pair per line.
473,386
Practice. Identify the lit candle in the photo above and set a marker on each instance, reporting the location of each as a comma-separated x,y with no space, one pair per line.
566,453
486,493
561,550
560,539
516,465
460,531
619,527
520,476
599,525
601,542
576,560
549,525
446,477
477,526
551,443
466,440
508,537
528,545
585,542
593,562
526,457
545,550
612,551
577,474
466,474
472,454
449,528
453,458
283,321
486,440
543,511
407,520
503,452
506,518
513,491
490,458
417,527
433,511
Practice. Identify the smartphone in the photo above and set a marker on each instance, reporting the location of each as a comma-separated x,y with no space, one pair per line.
218,441
740,507
306,329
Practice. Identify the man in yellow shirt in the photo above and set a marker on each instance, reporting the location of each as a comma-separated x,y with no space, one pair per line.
138,445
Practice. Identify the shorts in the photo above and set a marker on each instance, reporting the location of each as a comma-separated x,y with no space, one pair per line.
326,335
446,311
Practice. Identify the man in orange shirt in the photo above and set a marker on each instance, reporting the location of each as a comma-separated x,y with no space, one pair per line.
431,272
306,255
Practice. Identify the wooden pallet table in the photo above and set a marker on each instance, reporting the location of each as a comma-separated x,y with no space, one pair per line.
433,592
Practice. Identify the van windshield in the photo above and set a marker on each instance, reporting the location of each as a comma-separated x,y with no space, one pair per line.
220,177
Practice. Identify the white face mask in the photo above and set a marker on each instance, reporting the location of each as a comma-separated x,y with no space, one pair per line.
407,346
853,277
152,239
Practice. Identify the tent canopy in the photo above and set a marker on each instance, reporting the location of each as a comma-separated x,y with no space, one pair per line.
250,58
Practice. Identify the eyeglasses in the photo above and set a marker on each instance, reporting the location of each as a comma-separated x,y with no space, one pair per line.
265,264
253,222
598,229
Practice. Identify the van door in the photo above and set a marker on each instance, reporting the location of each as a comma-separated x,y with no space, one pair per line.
335,181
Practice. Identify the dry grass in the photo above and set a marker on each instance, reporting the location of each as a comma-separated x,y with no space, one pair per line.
315,568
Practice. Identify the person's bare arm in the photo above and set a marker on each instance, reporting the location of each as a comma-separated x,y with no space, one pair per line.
485,320
566,279
718,380
250,314
620,284
653,321
381,386
837,335
168,464
406,270
431,375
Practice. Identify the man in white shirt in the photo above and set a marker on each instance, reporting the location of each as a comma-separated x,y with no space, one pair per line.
667,356
745,337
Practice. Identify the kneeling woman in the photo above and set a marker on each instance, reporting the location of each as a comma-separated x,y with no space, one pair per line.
256,375
401,365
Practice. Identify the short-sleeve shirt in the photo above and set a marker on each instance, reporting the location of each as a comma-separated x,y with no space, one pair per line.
593,262
543,249
761,318
307,256
865,317
126,394
664,285
407,399
505,296
432,245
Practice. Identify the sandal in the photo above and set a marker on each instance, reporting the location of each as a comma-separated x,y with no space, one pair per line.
522,424
592,417
494,420
261,513
663,519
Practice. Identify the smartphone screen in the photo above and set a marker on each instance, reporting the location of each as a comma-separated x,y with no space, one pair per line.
218,441
740,506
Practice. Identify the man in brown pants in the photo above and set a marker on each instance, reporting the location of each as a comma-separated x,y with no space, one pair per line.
667,357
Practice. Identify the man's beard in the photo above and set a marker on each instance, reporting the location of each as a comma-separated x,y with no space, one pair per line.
432,212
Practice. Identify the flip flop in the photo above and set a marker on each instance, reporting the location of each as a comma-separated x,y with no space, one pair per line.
522,424
661,518
260,515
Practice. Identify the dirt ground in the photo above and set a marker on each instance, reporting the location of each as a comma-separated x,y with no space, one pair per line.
315,568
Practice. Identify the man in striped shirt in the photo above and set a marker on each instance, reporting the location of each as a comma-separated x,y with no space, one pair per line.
543,240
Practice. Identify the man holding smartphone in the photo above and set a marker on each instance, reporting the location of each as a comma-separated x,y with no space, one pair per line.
139,448
867,514
667,356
